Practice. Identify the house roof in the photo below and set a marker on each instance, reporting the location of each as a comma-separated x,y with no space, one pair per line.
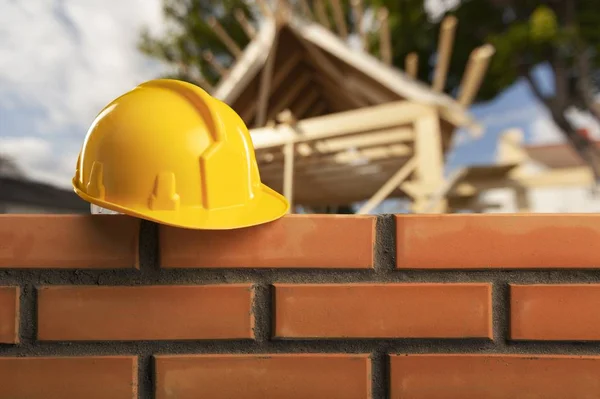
315,73
560,155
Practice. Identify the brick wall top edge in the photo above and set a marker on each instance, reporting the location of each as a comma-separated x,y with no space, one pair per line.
267,355
69,241
385,284
496,355
498,241
294,241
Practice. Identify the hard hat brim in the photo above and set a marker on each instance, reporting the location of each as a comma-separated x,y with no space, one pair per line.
265,207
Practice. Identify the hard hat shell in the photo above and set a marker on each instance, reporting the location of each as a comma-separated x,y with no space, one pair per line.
169,152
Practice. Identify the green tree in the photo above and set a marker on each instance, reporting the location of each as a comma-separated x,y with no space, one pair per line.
189,35
562,34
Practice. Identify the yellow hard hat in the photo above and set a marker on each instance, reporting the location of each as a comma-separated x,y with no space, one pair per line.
169,152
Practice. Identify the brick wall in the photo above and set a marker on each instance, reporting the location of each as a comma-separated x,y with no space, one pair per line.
419,307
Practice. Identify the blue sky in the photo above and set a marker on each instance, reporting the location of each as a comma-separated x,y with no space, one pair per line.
61,61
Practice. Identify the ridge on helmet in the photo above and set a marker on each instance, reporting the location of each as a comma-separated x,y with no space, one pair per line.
168,152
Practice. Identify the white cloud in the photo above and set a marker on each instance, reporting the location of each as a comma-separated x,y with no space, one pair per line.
61,61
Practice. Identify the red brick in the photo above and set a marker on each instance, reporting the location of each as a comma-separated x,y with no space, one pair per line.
145,313
494,376
112,377
498,241
263,376
555,312
9,315
295,241
68,241
383,310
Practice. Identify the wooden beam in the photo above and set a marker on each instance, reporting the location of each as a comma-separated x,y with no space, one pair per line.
442,194
343,123
282,72
510,147
474,73
264,89
369,91
317,109
340,96
304,104
224,37
446,40
306,9
337,172
429,173
321,13
370,139
402,174
357,11
216,65
385,42
265,9
319,162
290,95
411,64
374,139
288,173
340,20
330,70
244,23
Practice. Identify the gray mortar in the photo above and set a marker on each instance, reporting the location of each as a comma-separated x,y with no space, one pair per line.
262,279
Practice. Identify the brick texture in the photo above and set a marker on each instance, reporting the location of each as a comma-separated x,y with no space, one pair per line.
555,312
68,241
383,310
112,377
296,309
145,313
266,376
497,241
9,315
494,377
325,241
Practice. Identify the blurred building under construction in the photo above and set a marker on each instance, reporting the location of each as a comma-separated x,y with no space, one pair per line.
334,125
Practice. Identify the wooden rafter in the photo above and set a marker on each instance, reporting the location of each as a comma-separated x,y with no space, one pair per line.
446,40
216,65
290,95
357,11
318,109
224,37
333,73
306,9
342,124
321,13
370,92
264,88
371,139
339,95
474,73
303,104
265,9
338,15
411,65
244,23
384,138
280,74
385,42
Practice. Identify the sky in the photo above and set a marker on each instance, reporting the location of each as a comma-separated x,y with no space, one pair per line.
61,61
